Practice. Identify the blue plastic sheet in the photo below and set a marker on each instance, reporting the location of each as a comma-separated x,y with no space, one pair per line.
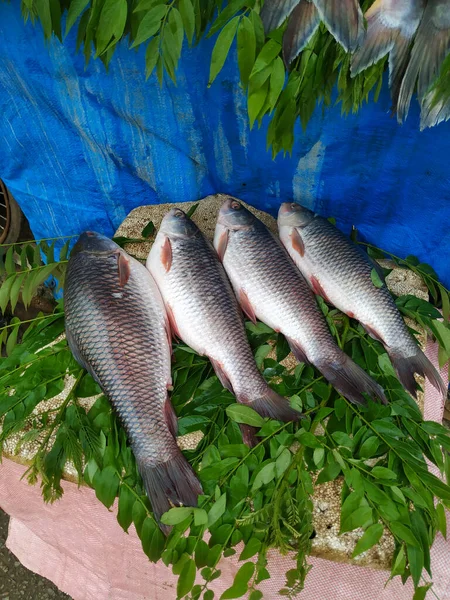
81,147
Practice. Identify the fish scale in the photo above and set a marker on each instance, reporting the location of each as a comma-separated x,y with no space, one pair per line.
272,289
118,332
342,273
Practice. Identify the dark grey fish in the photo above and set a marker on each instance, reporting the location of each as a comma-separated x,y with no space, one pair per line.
203,312
270,288
340,272
117,329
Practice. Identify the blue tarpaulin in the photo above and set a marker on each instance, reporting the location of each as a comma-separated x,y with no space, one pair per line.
81,147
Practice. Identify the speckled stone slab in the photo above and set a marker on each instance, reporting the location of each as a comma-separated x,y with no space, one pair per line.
327,543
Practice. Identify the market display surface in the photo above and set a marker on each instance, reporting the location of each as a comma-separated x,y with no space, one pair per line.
262,495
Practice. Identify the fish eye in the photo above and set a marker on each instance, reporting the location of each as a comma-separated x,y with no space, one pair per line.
178,214
235,205
293,205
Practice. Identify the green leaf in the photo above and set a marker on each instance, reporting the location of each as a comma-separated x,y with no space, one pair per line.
264,476
268,54
229,11
200,517
45,16
376,279
277,79
261,354
221,48
371,537
126,503
358,518
186,579
209,595
192,210
153,540
12,339
256,100
403,532
282,462
308,439
187,14
176,515
149,229
421,592
106,484
256,595
329,473
111,24
240,583
139,515
150,24
5,290
441,520
244,414
10,264
369,447
76,7
246,49
318,456
217,510
252,547
384,426
383,473
399,565
151,57
415,560
88,387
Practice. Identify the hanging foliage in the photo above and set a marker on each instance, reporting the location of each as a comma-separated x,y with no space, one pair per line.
260,496
291,55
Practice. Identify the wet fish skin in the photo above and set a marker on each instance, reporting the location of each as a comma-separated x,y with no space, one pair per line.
204,313
116,327
341,272
271,289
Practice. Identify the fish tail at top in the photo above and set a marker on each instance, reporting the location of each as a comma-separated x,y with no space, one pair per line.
273,405
406,367
168,484
351,381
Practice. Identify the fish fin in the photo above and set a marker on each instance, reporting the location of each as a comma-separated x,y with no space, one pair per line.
297,350
344,20
123,265
373,333
248,435
274,12
171,417
223,377
398,63
246,306
431,46
166,254
79,357
272,405
168,484
173,324
222,244
350,380
419,363
302,25
317,288
297,242
432,112
379,39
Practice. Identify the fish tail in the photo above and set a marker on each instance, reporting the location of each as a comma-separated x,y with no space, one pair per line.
344,20
351,381
274,12
271,404
407,366
302,25
168,484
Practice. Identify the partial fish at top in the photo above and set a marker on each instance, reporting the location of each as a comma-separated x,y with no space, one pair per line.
343,18
340,272
431,47
391,26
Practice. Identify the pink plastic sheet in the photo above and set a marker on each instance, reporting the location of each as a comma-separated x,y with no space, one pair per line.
78,544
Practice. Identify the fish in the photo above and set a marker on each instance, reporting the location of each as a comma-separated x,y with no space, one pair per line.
117,329
343,19
431,47
391,27
270,288
205,315
341,273
434,111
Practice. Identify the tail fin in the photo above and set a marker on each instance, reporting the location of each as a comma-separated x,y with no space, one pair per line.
170,483
351,381
274,12
302,25
344,20
419,363
272,405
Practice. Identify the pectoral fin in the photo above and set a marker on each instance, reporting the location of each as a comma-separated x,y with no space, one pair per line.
166,254
123,265
246,306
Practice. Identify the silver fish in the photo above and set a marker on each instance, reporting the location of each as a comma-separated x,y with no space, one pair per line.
340,272
271,289
203,312
391,26
117,329
431,47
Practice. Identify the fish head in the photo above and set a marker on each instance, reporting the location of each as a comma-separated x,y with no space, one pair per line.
176,224
234,216
91,242
292,214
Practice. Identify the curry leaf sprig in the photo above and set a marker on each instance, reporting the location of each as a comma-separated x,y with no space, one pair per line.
254,499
